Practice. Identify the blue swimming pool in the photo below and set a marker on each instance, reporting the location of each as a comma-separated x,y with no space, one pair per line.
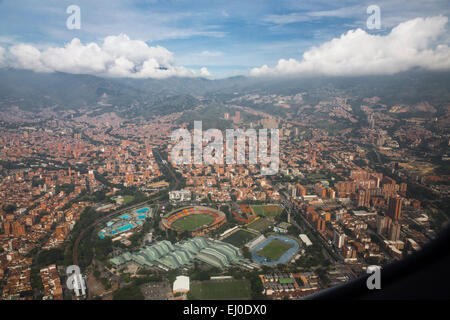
143,210
142,217
125,228
125,216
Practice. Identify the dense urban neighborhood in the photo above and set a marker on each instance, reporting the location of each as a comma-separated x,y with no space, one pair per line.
359,184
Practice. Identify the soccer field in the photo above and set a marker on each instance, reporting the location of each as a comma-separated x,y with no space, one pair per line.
239,238
274,249
192,222
226,289
260,225
267,210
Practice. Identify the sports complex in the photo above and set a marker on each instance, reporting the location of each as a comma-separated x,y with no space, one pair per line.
168,256
275,250
198,220
126,222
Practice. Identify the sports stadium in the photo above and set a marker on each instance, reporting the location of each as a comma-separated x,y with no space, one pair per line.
168,256
197,220
274,250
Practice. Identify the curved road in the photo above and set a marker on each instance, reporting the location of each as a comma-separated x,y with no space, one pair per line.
82,233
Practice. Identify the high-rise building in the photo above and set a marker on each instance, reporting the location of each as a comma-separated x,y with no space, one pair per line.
301,191
403,187
345,187
321,225
320,190
339,215
18,229
7,228
395,208
383,224
331,193
339,239
394,232
371,121
380,140
363,198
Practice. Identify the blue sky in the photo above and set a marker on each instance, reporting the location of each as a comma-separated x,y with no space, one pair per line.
226,37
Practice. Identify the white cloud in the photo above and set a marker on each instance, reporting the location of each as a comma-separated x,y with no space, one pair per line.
118,56
204,72
207,53
408,45
76,58
27,57
296,17
286,18
2,57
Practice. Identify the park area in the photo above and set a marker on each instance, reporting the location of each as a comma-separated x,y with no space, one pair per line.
193,221
239,238
270,210
221,289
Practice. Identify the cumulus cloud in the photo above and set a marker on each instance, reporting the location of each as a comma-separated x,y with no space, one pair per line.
27,57
408,45
204,72
118,56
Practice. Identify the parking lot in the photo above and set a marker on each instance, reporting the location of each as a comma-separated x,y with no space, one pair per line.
156,291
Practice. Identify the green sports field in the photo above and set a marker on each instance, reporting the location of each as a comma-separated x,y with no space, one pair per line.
274,249
192,222
127,199
225,289
269,210
239,238
260,225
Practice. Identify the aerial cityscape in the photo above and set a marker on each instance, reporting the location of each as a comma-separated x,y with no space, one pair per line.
91,174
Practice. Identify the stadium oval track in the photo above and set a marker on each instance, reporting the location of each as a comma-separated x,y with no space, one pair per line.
285,257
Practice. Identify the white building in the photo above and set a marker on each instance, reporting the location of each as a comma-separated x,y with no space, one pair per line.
181,285
180,195
305,240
